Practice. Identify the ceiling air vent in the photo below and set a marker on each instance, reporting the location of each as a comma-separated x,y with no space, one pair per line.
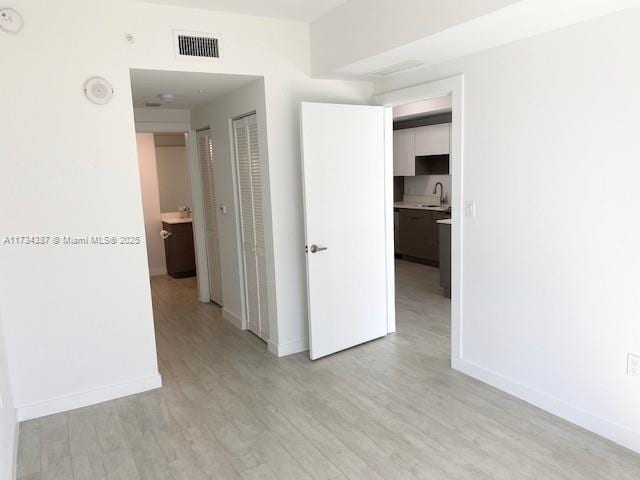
396,68
196,45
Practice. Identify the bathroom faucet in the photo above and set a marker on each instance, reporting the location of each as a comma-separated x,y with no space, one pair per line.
435,190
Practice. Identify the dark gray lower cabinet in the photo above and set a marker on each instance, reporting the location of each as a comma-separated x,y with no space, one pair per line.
179,250
415,233
445,258
418,234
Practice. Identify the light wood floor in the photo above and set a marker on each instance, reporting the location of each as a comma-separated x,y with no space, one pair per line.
390,409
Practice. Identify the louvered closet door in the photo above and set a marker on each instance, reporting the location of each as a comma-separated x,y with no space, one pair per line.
207,172
252,223
258,218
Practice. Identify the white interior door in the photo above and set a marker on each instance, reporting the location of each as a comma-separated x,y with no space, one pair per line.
210,207
344,200
252,223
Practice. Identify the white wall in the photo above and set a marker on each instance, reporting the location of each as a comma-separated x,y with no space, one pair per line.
151,203
550,263
78,321
173,178
8,420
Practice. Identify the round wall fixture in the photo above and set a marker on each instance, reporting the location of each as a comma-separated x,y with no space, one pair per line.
98,90
10,20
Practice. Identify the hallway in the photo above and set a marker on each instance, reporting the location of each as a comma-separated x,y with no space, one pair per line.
390,409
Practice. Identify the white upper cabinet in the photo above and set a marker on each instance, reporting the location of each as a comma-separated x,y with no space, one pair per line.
404,157
432,140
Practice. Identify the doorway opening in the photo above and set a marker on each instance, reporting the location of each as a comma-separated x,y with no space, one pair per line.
349,237
205,197
422,186
441,102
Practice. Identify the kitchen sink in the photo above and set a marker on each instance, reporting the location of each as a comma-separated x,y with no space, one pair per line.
435,207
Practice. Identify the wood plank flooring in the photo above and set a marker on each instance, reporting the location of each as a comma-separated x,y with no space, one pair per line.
390,409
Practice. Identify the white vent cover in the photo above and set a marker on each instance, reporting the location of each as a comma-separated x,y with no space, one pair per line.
194,45
396,68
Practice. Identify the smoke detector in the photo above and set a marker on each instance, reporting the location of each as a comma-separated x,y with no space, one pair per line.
98,90
10,20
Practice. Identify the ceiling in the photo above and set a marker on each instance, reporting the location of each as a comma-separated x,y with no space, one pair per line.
191,89
521,19
302,10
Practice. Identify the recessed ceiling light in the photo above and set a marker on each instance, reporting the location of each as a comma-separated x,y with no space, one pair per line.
167,97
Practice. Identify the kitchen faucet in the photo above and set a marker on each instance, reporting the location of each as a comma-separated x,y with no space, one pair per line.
435,190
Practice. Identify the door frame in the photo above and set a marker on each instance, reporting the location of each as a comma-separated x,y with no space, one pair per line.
197,198
453,86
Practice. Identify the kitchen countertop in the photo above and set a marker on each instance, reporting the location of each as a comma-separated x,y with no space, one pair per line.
174,218
446,221
445,208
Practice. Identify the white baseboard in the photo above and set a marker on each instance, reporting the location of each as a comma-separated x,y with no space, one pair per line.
90,397
605,428
154,272
289,348
232,318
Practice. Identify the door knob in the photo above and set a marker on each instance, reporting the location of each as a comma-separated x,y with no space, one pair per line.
316,248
